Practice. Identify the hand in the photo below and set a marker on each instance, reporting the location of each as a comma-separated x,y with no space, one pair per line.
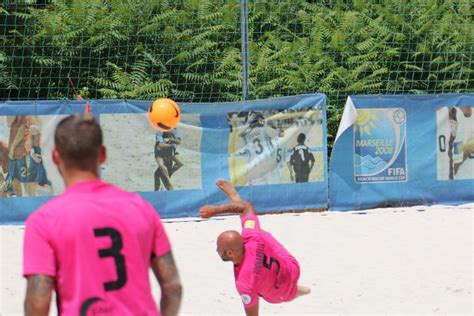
3,186
11,153
292,177
468,146
34,130
206,211
36,157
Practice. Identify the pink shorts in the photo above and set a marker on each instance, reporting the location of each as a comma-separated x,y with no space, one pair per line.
294,277
289,285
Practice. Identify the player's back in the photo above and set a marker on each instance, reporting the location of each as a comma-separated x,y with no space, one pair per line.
103,239
301,156
259,145
277,264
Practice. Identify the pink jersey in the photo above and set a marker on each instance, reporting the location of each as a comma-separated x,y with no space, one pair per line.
268,269
97,242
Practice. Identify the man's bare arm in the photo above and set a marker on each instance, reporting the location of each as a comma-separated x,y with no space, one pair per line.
238,207
164,146
252,311
167,275
20,134
176,141
38,295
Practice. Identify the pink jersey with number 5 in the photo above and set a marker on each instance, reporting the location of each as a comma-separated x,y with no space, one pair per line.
268,269
97,241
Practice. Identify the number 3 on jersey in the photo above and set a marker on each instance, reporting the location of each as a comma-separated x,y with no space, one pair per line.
113,252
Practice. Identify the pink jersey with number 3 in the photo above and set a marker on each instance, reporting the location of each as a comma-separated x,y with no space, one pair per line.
268,269
97,241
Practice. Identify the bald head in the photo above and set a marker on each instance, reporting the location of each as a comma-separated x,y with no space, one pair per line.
230,246
466,110
230,239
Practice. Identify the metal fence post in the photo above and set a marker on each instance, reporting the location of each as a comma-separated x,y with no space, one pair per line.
244,14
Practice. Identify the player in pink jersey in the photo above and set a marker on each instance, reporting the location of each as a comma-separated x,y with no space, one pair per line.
262,266
95,243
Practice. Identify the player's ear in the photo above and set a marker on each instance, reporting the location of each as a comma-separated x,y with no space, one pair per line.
56,158
103,154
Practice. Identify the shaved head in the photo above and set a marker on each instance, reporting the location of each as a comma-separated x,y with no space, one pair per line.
230,245
230,239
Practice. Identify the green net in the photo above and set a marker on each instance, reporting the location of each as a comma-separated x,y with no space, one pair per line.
190,50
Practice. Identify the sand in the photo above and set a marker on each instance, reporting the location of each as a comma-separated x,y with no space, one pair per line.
397,261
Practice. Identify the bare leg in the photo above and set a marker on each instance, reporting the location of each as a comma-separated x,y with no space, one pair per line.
17,187
228,189
165,177
31,188
3,186
156,177
169,165
178,164
302,290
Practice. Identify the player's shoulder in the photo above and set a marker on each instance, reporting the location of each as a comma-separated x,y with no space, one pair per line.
245,279
301,147
128,197
158,136
142,204
244,282
251,238
47,211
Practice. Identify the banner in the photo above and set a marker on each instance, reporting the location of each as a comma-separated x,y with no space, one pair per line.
403,150
273,150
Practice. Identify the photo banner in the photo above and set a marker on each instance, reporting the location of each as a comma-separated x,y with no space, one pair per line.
403,150
273,151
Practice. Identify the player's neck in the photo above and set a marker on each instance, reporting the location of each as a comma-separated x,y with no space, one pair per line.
75,176
239,258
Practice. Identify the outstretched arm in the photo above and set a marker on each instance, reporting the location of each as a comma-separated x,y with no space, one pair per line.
167,275
236,207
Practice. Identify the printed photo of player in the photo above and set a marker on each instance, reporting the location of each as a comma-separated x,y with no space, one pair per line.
301,160
159,161
258,150
455,143
167,157
23,171
4,187
261,145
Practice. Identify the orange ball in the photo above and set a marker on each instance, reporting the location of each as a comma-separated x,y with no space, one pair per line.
164,114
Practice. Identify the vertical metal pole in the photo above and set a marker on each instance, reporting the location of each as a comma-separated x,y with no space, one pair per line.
244,14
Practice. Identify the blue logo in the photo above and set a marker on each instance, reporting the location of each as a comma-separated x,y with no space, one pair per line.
380,145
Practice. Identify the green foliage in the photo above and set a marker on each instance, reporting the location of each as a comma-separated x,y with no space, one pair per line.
189,50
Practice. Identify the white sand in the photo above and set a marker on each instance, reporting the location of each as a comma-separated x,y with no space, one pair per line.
401,261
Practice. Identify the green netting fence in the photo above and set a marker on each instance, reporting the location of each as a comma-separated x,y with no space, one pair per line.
191,50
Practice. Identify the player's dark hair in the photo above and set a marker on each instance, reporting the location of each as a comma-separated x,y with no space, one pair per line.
255,119
78,139
301,138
